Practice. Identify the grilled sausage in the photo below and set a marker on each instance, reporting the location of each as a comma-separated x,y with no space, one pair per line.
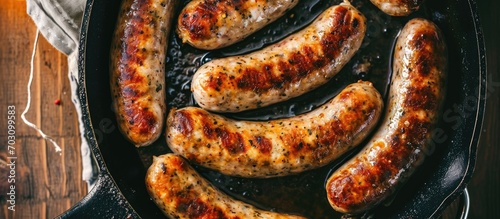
180,192
404,138
279,147
296,65
137,72
397,7
210,24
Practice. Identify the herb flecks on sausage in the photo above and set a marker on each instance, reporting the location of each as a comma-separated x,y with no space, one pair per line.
276,147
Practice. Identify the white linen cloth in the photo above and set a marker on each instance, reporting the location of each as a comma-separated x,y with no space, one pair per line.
59,21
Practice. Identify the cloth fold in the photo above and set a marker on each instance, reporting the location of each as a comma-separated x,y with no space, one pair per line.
59,21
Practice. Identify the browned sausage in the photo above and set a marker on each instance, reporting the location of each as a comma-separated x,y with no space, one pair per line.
404,138
180,192
301,62
398,7
137,72
213,24
276,147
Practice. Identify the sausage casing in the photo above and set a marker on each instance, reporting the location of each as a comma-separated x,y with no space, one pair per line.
397,7
279,147
299,63
137,71
210,24
180,192
404,138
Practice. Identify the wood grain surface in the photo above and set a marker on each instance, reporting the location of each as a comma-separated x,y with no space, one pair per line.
48,183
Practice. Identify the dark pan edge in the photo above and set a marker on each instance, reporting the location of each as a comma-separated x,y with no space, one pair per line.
479,113
105,198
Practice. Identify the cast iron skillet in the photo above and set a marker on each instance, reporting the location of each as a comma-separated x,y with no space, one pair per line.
120,192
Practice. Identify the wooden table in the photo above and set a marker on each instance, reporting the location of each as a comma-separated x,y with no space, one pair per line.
48,183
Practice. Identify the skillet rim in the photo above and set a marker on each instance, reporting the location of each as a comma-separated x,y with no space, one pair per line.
106,198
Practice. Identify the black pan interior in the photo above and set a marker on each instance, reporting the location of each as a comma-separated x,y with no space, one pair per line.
442,177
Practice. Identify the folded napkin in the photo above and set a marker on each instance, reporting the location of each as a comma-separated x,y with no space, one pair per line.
59,22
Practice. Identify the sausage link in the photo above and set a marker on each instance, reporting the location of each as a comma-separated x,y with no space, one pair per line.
398,7
294,66
276,147
137,72
404,138
211,24
180,192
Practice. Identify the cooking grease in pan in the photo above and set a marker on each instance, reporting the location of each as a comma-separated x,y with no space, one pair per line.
304,193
